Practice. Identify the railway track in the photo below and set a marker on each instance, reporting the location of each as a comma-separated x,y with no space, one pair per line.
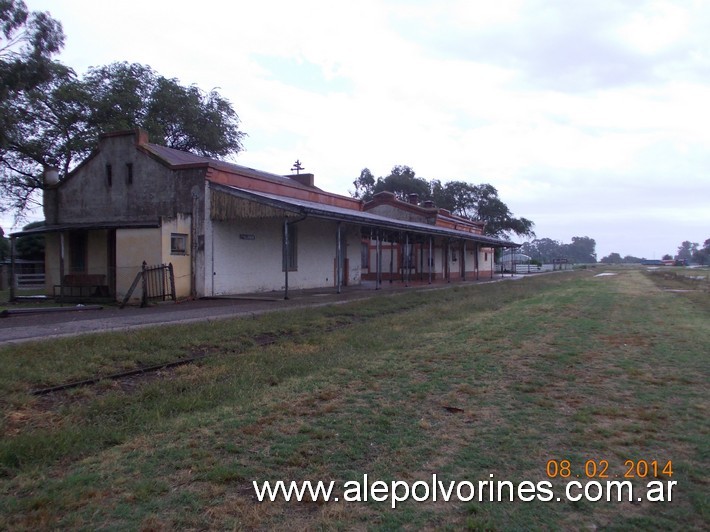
262,340
341,321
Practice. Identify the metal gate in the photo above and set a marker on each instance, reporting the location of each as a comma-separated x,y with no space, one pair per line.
157,283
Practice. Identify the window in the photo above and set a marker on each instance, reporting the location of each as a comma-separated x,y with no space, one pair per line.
109,175
178,244
129,173
290,260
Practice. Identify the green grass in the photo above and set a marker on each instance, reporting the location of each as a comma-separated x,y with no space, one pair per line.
5,298
463,383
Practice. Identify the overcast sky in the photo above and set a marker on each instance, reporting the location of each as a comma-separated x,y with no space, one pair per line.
590,117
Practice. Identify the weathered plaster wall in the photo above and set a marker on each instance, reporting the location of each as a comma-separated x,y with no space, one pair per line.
133,246
154,191
235,245
97,253
352,239
96,256
181,261
51,261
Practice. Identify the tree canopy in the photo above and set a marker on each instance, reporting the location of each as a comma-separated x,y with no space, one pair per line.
57,123
49,117
582,250
126,95
30,247
4,246
687,250
615,258
702,256
692,252
475,202
27,42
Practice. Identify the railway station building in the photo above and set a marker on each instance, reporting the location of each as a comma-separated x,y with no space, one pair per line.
228,229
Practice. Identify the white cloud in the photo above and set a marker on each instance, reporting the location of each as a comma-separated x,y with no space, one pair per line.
589,117
657,28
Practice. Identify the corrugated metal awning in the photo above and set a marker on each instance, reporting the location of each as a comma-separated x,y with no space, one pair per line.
58,228
225,206
366,219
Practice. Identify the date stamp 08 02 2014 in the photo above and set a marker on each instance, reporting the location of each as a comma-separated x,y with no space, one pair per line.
600,469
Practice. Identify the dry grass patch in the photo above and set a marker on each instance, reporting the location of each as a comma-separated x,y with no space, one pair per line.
491,379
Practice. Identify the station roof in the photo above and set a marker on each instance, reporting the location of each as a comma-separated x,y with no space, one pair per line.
328,212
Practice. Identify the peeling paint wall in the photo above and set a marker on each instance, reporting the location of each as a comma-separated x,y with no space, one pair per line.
248,255
133,246
181,261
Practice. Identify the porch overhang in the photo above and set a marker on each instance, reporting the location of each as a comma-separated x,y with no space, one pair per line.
61,228
271,205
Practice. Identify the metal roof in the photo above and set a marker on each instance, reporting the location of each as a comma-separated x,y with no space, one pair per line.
303,207
86,226
329,212
178,158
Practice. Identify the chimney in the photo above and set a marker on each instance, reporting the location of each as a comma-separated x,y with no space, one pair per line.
428,204
141,136
305,179
413,198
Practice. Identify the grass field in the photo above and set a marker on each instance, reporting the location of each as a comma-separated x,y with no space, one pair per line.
462,383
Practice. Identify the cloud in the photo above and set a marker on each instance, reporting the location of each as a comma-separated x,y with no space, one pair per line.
589,117
567,46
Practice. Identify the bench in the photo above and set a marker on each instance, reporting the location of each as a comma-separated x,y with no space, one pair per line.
78,285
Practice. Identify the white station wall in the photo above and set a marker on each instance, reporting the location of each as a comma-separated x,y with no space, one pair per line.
247,255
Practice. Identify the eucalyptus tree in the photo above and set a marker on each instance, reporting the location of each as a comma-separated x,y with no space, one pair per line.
475,202
58,122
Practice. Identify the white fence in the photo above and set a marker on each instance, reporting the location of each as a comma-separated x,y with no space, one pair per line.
29,281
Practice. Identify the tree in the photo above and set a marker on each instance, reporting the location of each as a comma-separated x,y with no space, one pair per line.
702,256
667,257
459,197
475,202
4,246
581,250
544,250
27,42
30,247
124,95
364,185
47,129
402,181
499,221
612,258
58,122
686,251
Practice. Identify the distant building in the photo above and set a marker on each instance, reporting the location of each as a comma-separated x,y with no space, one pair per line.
510,259
446,247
